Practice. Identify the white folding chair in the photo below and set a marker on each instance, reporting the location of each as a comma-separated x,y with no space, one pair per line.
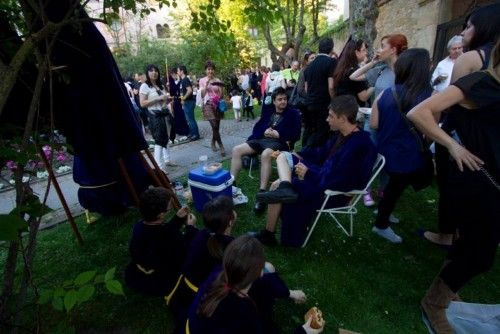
349,209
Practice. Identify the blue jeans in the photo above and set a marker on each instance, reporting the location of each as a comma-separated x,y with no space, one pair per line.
188,108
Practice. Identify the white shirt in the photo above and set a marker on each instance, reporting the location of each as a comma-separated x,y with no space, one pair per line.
245,81
444,67
236,101
151,93
273,81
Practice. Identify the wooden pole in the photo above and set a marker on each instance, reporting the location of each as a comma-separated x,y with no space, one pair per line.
150,171
165,180
128,181
61,196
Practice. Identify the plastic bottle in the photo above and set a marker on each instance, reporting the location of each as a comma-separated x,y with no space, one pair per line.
203,161
179,192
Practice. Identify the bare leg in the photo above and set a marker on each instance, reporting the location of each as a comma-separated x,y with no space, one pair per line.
265,167
284,171
238,152
273,213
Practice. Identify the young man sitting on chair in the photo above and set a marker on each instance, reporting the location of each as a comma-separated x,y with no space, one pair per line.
343,163
276,130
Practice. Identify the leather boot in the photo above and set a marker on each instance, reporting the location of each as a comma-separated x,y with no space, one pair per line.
434,305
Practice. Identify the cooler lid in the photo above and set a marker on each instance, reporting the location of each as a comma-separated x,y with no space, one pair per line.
215,179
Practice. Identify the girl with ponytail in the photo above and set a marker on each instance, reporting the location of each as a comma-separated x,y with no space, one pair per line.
228,305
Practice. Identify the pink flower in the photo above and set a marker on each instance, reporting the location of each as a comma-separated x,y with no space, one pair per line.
11,165
47,150
61,157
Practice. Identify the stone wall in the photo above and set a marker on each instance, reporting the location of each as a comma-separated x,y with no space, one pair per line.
416,19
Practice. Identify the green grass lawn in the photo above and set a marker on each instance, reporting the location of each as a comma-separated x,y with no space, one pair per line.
361,283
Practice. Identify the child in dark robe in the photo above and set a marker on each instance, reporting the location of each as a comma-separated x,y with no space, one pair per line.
205,256
227,305
157,249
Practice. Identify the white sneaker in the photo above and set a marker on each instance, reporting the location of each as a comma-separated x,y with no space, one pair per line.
240,199
368,200
388,234
236,190
392,219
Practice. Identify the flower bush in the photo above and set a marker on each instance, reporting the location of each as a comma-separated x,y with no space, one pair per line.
59,158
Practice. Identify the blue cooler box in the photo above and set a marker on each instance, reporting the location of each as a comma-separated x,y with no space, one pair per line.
205,187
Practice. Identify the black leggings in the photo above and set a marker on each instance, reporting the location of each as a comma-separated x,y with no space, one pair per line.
215,124
475,206
446,219
392,192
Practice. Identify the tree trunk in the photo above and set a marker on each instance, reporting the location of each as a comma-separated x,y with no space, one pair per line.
363,19
8,281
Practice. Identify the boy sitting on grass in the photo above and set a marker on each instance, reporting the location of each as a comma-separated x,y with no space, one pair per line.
157,249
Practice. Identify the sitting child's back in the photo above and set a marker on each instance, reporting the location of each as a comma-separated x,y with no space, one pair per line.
157,249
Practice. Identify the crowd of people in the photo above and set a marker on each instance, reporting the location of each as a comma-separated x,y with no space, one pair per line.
220,284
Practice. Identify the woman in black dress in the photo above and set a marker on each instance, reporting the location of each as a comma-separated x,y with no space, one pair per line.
473,181
354,53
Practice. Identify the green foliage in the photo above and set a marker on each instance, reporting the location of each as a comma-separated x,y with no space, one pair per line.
80,290
10,226
193,51
32,207
11,12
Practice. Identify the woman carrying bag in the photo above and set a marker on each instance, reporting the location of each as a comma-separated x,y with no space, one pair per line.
153,96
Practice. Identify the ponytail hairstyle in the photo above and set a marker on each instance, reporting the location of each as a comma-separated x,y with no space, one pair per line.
217,214
243,263
412,72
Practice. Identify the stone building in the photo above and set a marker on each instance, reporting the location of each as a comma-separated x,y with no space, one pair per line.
426,23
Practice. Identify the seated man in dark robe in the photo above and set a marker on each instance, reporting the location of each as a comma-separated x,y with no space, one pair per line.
344,163
277,129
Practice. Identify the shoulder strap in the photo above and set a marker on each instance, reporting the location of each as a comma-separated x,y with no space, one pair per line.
480,56
411,126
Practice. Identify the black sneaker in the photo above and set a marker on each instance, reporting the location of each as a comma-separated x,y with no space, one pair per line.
284,194
266,237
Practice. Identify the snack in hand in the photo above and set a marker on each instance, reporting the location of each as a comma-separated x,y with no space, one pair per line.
317,317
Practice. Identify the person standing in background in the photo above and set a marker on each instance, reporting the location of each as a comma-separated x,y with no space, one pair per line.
188,103
319,89
442,74
211,94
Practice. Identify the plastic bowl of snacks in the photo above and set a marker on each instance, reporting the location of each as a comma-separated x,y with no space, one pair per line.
212,168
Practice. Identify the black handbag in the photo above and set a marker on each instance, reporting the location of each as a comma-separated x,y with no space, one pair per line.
296,100
422,178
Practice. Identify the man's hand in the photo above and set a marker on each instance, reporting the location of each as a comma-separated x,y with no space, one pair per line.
275,154
300,170
271,133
